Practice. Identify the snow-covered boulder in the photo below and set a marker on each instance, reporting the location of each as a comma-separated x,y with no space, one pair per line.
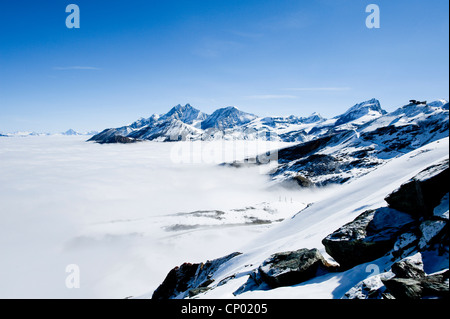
409,267
293,267
422,193
432,286
370,288
369,236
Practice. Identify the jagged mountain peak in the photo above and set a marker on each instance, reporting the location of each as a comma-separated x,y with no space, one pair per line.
186,114
314,117
228,110
372,105
227,117
364,112
71,132
182,108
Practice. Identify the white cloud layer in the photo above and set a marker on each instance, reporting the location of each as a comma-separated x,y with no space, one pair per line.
104,208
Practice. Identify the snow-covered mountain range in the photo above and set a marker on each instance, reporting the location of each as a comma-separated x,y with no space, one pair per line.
367,138
325,151
187,123
69,132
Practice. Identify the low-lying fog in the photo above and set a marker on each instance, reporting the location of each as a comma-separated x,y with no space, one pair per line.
113,210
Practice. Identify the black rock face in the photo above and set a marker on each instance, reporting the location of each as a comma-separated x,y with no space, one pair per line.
369,236
433,286
419,196
189,278
177,281
407,268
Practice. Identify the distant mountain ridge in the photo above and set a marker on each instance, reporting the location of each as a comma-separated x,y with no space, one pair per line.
338,153
69,132
230,123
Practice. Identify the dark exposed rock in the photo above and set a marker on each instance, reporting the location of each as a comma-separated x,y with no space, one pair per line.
302,150
422,193
195,291
433,286
176,282
303,181
117,139
182,279
293,267
369,236
404,288
408,268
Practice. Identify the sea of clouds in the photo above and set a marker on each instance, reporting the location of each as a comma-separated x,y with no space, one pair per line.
103,208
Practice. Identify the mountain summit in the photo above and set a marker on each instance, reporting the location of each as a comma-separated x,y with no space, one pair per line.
364,111
227,117
186,114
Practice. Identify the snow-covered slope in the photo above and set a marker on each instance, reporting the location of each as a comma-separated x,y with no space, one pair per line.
307,229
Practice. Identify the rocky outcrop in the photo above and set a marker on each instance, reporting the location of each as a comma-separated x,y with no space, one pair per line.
303,181
409,268
189,279
432,286
415,219
423,193
370,288
287,269
369,236
293,267
405,280
115,139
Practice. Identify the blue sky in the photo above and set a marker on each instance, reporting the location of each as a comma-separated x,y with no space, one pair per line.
134,58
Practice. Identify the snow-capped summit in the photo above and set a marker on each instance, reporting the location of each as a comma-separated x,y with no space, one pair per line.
227,117
186,114
70,132
313,118
363,112
439,103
